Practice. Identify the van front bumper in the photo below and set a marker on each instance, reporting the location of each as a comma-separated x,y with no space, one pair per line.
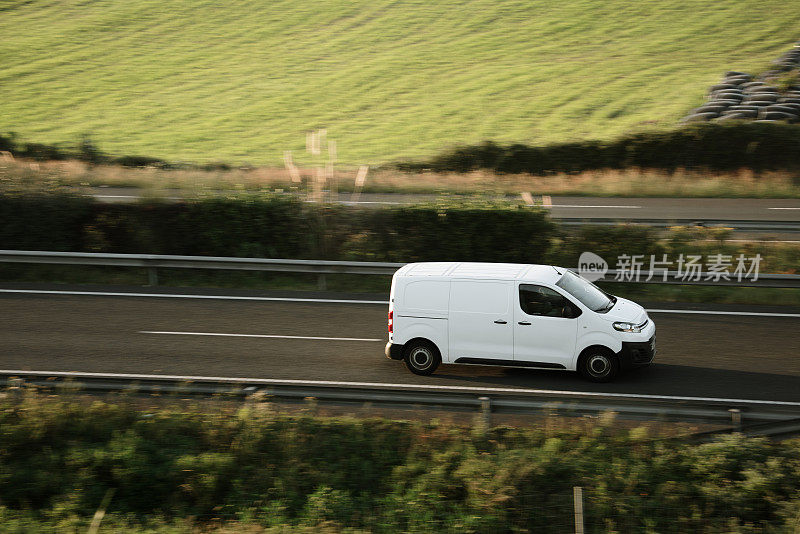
637,354
395,352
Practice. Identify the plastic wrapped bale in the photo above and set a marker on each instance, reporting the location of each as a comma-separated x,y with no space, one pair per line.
777,116
701,117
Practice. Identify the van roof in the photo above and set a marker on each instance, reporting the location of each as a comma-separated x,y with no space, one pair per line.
503,271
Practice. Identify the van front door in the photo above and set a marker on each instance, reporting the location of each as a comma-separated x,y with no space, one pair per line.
545,327
481,321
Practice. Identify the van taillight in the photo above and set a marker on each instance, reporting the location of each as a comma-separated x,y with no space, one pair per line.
391,322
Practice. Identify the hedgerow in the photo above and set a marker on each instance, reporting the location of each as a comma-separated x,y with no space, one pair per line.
275,226
58,459
717,147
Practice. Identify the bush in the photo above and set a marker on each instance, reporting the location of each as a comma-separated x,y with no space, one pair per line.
52,221
7,143
57,460
140,161
430,233
719,147
42,152
609,242
275,227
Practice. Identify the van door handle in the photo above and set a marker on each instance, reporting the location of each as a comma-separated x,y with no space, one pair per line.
525,323
500,321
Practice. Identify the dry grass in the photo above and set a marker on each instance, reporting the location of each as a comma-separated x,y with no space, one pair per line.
627,182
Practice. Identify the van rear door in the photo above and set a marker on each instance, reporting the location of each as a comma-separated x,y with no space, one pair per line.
481,323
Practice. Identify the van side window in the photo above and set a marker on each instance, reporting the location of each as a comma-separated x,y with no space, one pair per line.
540,300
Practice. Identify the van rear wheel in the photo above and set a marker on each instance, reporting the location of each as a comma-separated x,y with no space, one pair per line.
599,365
422,357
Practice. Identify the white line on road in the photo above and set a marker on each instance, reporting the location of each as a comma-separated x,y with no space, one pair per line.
260,335
797,208
334,301
180,296
595,206
717,312
382,202
266,381
131,197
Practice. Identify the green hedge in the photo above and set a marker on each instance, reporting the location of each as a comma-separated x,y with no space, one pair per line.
711,146
58,459
275,227
721,147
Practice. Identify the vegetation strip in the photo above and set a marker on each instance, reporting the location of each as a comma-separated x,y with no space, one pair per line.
255,468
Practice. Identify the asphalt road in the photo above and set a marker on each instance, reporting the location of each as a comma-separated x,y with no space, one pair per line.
734,209
729,356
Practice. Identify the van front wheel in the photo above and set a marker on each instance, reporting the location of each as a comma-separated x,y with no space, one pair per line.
598,365
422,357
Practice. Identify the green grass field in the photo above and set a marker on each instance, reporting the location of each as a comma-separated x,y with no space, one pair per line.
243,80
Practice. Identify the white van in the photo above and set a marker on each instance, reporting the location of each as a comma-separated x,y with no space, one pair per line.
536,316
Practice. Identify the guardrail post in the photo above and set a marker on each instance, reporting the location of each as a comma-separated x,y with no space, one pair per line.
577,497
311,405
15,386
152,276
736,419
322,282
486,412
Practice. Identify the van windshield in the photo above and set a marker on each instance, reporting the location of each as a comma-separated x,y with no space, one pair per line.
589,294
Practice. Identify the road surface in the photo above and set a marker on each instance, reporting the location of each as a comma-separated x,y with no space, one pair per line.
706,355
734,209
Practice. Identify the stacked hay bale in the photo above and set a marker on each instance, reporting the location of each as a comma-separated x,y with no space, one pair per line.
741,96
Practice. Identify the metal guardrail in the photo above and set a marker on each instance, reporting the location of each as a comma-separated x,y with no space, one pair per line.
741,226
762,417
153,262
324,267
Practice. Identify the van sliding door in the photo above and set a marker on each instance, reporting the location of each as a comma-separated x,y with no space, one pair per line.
481,323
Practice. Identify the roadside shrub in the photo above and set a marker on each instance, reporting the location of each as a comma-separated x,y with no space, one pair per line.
58,459
608,242
710,146
88,151
139,161
261,227
276,226
470,233
7,143
42,152
52,221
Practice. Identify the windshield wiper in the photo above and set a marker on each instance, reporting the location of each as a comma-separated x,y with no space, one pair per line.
611,301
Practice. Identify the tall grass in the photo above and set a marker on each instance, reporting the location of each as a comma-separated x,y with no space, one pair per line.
157,183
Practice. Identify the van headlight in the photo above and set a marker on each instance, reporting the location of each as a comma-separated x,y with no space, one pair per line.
628,327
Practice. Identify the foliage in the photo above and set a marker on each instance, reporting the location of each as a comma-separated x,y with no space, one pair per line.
608,242
275,226
718,147
43,221
57,460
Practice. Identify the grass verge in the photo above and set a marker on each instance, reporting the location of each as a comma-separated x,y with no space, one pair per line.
160,183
